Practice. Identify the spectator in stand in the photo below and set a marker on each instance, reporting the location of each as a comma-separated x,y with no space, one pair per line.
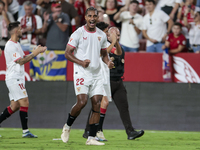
131,27
170,7
13,7
5,19
194,32
187,10
42,6
31,26
154,27
56,25
103,17
81,6
70,11
111,8
176,41
21,7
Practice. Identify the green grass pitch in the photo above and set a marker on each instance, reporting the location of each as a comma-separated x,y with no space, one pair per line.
49,139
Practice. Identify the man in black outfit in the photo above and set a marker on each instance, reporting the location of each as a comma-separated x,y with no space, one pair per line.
119,96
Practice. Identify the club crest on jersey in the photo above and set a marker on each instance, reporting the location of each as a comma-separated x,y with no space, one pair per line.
14,55
70,39
99,38
24,92
78,89
85,38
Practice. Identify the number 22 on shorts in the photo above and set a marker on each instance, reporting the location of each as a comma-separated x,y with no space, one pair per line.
79,81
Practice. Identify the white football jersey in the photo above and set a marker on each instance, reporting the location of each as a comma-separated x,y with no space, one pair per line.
13,52
88,45
105,71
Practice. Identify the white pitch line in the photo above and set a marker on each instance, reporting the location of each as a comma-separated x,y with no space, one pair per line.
56,139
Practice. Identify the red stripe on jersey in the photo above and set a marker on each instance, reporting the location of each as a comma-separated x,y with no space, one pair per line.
10,110
17,59
89,31
71,45
13,41
24,109
104,49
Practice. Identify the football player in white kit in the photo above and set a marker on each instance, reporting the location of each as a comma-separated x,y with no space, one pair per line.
15,79
112,35
88,43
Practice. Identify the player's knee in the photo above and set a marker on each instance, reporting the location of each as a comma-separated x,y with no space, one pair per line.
14,107
104,104
82,103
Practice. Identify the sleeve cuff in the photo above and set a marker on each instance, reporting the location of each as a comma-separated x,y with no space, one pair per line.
17,59
71,45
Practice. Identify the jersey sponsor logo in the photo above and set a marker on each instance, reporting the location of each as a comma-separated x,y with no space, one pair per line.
99,38
70,39
78,89
184,42
184,71
85,38
14,55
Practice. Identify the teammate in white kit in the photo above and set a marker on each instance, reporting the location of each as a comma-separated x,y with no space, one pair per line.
15,79
87,43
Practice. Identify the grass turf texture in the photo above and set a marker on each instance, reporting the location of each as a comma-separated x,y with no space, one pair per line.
117,140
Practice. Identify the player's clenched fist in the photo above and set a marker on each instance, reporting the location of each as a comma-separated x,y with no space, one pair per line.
110,64
85,63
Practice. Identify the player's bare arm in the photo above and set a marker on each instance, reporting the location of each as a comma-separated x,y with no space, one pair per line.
0,52
106,60
113,39
27,58
69,55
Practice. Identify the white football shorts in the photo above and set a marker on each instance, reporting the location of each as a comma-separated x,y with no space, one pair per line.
89,86
107,92
16,89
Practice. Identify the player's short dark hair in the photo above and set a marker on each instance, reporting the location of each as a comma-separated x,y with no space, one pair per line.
151,1
134,1
178,24
2,2
13,25
91,9
102,25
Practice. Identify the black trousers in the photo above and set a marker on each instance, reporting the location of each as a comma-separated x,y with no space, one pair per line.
119,96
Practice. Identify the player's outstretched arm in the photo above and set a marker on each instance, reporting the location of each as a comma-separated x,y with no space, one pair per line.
69,55
27,58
